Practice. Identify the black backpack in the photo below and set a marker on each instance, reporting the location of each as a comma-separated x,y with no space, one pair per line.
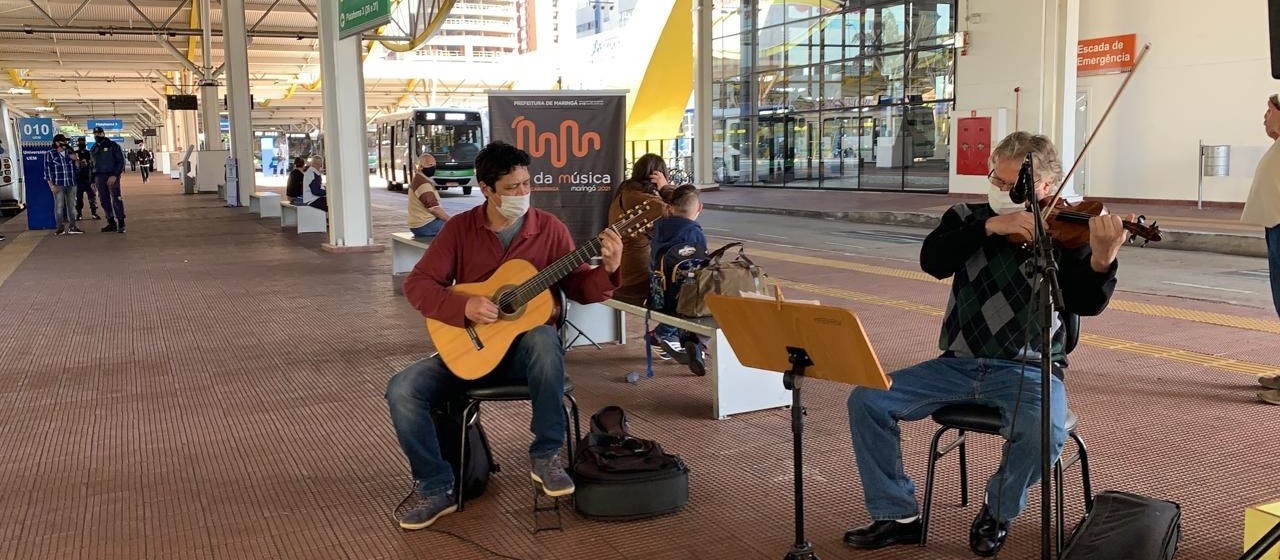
620,477
448,423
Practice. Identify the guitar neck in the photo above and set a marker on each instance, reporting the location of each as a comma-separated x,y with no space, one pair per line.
555,272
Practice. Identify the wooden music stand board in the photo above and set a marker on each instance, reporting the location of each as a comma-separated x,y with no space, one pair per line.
799,340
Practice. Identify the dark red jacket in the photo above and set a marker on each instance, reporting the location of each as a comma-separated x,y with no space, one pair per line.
466,251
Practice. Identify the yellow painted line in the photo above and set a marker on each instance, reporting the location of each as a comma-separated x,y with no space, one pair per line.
1152,310
1097,341
17,250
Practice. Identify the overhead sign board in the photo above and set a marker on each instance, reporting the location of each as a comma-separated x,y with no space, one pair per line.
148,132
106,124
1106,55
358,16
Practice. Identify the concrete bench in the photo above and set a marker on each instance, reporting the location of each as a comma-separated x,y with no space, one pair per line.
736,388
406,251
265,204
305,218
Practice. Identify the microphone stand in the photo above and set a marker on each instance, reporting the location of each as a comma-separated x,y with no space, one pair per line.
1046,273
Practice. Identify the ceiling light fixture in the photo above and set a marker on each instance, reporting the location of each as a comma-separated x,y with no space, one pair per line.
19,90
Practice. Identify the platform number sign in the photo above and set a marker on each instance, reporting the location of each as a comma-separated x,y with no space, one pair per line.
37,130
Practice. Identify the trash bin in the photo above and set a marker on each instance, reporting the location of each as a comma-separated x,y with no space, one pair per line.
1216,161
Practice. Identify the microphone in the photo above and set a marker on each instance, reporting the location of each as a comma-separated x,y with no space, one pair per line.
1024,187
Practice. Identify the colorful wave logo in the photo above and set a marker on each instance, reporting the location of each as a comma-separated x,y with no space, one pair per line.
557,147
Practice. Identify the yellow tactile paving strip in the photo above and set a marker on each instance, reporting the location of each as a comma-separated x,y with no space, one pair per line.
1152,310
17,250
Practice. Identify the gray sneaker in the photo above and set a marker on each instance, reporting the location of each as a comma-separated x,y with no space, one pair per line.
550,474
1270,381
423,510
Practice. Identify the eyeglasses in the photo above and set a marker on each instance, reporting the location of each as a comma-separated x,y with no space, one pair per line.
1001,183
998,182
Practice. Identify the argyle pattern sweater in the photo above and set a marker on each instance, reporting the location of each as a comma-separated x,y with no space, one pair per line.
993,310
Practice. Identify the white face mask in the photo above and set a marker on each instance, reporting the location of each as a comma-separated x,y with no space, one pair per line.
999,201
513,206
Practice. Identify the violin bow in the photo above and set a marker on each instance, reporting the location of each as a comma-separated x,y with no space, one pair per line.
1057,194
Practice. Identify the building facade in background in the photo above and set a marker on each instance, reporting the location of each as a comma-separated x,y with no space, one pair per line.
833,95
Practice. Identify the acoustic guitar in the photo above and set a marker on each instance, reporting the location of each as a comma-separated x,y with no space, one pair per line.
522,294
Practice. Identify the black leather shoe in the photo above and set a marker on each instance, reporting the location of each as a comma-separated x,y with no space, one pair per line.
880,534
986,535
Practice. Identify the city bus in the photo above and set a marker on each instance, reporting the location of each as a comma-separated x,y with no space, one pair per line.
453,135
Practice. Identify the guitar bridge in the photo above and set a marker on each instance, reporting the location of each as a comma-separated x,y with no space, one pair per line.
475,338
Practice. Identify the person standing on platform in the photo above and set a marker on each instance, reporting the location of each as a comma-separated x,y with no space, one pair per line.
1263,209
132,156
84,180
991,343
145,159
108,164
426,216
60,173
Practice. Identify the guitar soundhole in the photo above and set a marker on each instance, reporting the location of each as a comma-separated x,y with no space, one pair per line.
507,308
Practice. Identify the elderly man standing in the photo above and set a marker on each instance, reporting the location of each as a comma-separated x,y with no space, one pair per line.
60,173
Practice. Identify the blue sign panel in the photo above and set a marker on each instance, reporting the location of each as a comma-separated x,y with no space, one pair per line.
36,130
36,136
106,124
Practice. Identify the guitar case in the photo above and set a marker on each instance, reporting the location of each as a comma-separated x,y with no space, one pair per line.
1124,526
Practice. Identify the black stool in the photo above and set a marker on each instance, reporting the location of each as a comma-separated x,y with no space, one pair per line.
986,420
513,392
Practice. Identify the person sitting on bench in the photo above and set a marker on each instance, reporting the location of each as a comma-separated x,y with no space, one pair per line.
313,193
676,239
426,216
991,338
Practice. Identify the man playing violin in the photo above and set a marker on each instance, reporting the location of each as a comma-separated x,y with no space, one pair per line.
469,248
991,342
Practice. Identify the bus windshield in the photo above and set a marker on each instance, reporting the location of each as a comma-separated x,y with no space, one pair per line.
450,143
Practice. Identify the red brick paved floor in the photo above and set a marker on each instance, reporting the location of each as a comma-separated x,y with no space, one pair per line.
207,386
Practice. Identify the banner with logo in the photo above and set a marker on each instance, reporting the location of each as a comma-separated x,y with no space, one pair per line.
576,139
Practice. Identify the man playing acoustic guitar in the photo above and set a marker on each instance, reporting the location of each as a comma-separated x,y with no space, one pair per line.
470,248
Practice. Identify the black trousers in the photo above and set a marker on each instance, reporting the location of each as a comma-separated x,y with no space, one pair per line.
82,190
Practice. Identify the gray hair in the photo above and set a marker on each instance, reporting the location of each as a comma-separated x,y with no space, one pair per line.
1046,162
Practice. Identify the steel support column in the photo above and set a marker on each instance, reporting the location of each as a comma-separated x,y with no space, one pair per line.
345,148
702,76
236,57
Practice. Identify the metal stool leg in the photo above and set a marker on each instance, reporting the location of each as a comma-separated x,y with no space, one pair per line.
1084,471
934,456
1059,508
964,472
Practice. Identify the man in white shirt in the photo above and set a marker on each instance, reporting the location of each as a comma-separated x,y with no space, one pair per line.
1263,209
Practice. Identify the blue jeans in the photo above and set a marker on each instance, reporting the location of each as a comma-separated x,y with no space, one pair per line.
1273,260
535,358
64,205
921,389
429,229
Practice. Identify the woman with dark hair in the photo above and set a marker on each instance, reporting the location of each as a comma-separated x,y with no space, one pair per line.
651,169
635,249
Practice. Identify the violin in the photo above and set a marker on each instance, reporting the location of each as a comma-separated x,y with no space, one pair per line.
1068,225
